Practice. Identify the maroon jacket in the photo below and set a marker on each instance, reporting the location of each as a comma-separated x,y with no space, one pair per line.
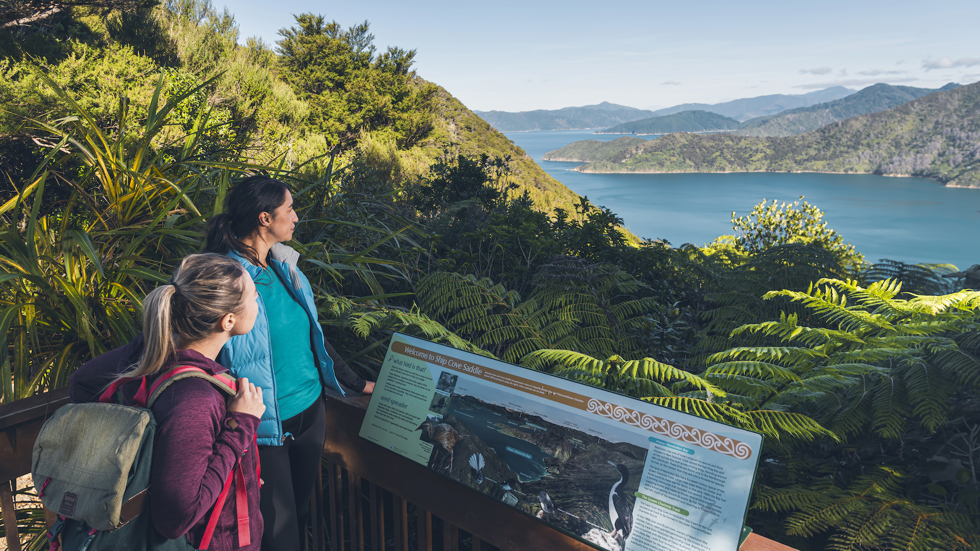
196,448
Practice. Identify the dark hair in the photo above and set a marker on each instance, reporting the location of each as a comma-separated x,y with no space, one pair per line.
243,205
202,290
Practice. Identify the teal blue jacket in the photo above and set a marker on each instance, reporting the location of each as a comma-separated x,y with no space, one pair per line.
250,355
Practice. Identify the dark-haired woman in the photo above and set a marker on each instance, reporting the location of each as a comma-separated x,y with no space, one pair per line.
285,354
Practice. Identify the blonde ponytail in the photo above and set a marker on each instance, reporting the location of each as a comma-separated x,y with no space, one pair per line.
203,289
158,340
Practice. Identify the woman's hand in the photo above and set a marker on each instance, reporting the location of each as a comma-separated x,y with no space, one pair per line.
368,387
248,400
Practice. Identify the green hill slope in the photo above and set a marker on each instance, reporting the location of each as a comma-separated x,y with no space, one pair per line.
879,97
264,116
458,127
936,137
587,151
685,121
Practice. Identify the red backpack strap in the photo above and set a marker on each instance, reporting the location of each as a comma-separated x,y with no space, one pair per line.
141,395
218,506
241,504
221,381
228,385
258,461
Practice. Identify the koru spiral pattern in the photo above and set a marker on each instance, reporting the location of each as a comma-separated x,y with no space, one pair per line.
678,431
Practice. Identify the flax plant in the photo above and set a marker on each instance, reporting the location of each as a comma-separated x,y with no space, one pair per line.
70,293
74,274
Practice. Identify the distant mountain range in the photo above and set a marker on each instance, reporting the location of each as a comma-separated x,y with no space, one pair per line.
935,136
608,114
568,118
872,99
685,121
761,106
879,97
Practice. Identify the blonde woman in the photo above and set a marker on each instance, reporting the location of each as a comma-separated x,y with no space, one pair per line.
200,436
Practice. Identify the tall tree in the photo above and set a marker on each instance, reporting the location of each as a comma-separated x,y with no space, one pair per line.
349,87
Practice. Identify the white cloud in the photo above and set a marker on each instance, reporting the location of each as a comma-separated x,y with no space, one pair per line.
670,83
817,71
851,82
947,63
877,72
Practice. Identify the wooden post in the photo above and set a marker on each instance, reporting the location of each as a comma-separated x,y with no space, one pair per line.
450,536
9,514
424,521
335,509
351,512
317,510
377,518
400,512
357,510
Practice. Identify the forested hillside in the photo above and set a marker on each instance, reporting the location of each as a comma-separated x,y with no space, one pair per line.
287,103
932,137
873,99
685,121
587,151
460,130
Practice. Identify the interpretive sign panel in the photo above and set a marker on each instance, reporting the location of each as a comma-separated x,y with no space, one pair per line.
615,471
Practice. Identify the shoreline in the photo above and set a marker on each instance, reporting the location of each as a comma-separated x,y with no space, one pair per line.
666,133
563,160
576,169
556,130
958,186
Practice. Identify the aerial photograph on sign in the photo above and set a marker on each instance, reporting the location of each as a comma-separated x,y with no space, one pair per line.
540,460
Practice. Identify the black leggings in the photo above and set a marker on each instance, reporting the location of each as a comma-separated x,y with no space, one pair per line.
289,472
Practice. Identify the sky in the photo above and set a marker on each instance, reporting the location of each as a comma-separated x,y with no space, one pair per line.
521,55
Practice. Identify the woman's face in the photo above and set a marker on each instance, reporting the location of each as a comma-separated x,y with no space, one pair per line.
282,221
246,320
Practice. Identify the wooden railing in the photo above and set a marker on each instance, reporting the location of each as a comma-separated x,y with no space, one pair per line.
369,498
20,422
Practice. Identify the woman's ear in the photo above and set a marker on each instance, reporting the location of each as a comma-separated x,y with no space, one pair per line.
265,219
227,322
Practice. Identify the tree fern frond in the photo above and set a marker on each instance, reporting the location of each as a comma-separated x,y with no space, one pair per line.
965,301
889,407
776,424
787,355
648,368
702,408
542,358
757,369
748,387
928,389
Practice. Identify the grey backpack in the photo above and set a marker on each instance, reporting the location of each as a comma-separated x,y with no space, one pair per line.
92,463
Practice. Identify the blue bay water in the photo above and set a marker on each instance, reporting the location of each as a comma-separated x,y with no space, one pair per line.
908,219
525,459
